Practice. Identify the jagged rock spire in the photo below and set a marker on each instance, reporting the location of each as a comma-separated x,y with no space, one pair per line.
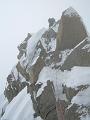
71,30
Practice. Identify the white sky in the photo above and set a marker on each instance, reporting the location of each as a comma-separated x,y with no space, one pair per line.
18,17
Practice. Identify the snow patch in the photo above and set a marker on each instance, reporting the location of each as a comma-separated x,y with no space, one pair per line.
87,117
78,76
36,56
55,27
23,61
49,46
63,55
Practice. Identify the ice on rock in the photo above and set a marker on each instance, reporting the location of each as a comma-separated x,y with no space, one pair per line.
32,44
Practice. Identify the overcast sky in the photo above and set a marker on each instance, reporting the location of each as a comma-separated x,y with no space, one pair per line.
18,17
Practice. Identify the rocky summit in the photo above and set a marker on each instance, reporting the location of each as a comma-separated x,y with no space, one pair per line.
51,80
71,30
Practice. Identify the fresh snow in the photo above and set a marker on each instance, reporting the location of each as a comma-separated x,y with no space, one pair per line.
51,46
87,117
3,104
63,55
21,104
32,42
82,98
20,108
78,76
56,76
55,27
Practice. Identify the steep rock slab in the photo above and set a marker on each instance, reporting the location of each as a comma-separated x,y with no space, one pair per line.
79,56
71,30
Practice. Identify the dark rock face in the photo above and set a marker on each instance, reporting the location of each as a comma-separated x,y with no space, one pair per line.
22,71
78,57
40,63
71,32
13,88
15,85
49,34
72,113
46,103
35,70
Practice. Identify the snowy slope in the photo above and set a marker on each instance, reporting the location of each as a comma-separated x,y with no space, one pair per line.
3,104
20,108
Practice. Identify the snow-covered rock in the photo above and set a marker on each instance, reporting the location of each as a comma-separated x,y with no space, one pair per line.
51,80
20,108
3,104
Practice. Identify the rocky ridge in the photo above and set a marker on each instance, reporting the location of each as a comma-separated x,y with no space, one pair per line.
52,73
